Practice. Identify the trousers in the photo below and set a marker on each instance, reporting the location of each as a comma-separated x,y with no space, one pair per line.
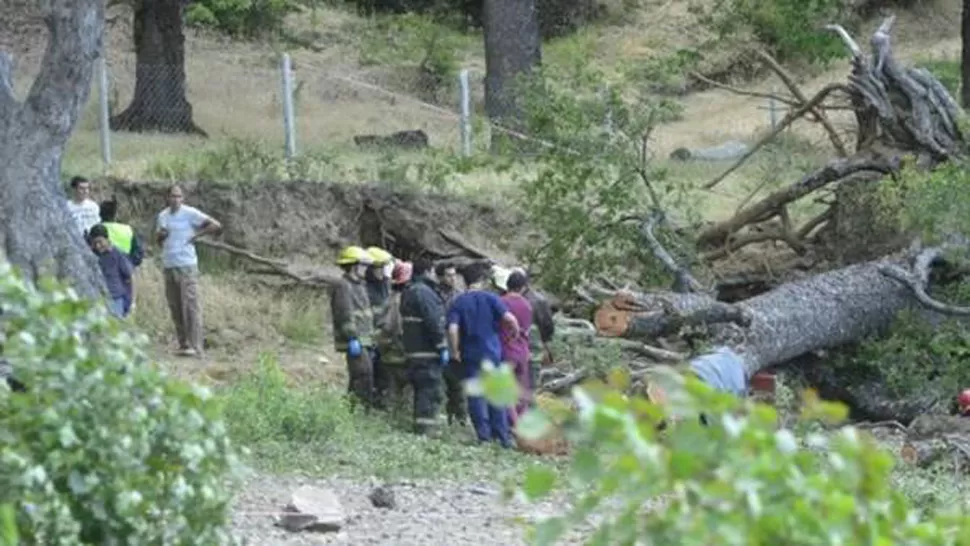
360,372
455,393
425,376
182,293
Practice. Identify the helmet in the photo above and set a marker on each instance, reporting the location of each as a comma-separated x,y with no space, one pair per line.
401,273
379,255
963,400
353,255
500,277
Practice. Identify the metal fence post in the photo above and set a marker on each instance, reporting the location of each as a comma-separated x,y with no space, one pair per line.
103,113
466,126
288,126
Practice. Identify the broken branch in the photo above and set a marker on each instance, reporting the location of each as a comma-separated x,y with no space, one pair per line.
918,280
682,276
314,276
785,122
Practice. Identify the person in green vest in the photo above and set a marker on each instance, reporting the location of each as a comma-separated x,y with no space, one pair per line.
124,238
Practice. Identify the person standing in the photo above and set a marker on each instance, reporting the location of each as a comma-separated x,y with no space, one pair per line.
542,331
474,322
177,228
377,280
353,323
423,316
124,238
449,289
82,208
115,268
390,337
515,345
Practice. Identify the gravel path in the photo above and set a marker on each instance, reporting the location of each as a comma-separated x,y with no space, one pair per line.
426,514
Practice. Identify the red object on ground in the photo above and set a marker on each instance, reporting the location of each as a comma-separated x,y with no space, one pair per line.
763,382
963,400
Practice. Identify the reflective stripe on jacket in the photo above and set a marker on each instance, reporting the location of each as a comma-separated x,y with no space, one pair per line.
423,320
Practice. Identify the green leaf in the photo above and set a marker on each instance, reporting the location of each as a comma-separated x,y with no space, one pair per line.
548,532
539,481
8,526
499,385
533,425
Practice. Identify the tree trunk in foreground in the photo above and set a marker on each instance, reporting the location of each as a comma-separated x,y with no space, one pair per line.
512,50
40,237
159,103
965,55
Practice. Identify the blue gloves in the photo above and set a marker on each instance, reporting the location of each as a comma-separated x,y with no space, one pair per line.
354,348
445,357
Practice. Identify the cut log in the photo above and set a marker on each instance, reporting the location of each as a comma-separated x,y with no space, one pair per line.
923,453
930,426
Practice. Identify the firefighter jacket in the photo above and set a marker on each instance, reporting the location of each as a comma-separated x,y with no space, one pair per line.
378,292
423,318
351,311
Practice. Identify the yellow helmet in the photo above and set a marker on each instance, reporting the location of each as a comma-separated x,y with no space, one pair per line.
353,254
379,255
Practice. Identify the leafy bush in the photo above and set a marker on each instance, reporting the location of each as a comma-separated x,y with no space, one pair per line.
243,18
791,29
739,480
593,184
103,448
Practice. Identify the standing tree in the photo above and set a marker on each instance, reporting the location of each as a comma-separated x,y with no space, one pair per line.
512,49
965,55
159,103
39,236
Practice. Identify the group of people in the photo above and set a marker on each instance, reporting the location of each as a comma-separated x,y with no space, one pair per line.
413,323
120,251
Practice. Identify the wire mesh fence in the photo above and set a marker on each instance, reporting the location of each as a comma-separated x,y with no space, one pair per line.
300,108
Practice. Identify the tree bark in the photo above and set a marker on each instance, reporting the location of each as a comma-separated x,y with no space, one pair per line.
159,103
512,50
965,55
40,237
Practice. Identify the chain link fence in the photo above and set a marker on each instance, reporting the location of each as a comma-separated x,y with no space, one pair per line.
300,108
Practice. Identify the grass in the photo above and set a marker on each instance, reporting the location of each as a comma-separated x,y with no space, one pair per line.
312,428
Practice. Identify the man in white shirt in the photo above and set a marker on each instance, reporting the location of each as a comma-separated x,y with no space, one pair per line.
84,210
177,228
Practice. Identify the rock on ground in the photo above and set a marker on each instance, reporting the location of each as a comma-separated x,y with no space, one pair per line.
426,514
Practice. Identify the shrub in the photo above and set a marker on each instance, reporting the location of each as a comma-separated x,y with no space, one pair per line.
244,18
103,448
739,480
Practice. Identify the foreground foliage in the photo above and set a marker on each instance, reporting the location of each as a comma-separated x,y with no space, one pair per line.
739,480
103,448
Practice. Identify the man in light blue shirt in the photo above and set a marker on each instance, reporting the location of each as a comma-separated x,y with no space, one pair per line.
177,228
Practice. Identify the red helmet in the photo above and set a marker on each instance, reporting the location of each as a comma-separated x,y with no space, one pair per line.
401,273
963,400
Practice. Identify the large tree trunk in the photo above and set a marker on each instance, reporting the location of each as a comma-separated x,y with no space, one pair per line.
159,103
965,55
512,50
40,237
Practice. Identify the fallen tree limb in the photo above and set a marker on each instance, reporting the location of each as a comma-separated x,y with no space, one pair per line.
918,280
717,234
789,82
785,122
314,275
683,280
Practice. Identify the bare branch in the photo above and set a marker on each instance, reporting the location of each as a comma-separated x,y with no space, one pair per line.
743,92
837,169
64,81
789,82
918,279
785,122
848,40
313,276
681,274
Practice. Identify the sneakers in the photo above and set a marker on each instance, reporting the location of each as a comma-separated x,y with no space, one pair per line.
187,351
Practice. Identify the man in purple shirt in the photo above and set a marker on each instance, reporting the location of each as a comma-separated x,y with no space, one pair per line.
115,267
475,320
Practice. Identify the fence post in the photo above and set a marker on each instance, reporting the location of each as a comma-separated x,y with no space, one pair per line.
466,126
103,113
288,127
772,113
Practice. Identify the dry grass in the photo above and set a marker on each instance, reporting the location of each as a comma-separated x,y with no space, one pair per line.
243,320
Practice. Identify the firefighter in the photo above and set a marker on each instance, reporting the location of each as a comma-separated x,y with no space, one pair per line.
390,333
353,323
423,316
377,280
